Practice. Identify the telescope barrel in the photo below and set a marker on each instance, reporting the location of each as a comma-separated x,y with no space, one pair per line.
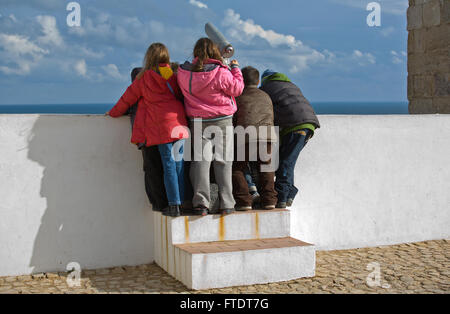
217,37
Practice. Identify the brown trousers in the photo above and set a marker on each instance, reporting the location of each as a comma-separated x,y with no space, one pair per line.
266,185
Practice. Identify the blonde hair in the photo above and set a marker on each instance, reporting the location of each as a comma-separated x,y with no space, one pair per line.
156,54
205,49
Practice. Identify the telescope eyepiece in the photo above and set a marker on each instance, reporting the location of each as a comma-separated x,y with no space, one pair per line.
228,52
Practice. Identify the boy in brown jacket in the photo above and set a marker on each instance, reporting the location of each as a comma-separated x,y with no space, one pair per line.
255,109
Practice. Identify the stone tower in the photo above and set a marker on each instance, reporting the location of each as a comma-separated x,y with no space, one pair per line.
429,56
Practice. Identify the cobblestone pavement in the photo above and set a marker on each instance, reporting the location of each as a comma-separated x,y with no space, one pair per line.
408,268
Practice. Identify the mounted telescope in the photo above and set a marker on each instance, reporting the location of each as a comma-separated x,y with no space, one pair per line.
226,49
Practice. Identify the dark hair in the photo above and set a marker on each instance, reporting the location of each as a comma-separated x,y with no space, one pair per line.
205,49
156,54
174,66
251,76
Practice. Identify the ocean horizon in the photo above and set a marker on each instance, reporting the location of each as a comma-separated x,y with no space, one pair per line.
341,107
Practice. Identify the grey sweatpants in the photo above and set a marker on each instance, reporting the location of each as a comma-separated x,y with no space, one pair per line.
212,144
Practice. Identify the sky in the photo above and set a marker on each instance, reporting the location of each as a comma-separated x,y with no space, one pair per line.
324,46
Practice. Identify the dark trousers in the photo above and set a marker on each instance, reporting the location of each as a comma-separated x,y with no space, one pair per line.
290,148
265,179
154,177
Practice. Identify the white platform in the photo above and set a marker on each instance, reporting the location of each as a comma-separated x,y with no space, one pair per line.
221,251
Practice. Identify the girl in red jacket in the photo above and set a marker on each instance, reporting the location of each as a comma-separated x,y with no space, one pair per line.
160,119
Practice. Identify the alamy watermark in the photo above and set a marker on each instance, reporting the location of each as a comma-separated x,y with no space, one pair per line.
373,279
74,17
228,144
74,276
374,17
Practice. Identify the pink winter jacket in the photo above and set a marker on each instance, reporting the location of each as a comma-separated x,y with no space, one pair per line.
210,94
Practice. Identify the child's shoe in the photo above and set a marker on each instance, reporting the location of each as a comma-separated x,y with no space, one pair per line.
172,211
269,207
256,198
243,208
281,205
227,211
289,202
199,211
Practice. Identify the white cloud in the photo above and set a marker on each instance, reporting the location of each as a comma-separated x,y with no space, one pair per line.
109,72
81,68
19,45
135,35
198,4
386,31
112,71
86,52
247,30
50,30
291,52
398,57
42,46
362,58
302,62
18,54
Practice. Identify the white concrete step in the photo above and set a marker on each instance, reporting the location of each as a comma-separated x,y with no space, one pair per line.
245,262
222,251
255,224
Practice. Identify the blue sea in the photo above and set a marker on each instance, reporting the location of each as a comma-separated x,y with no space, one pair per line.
358,108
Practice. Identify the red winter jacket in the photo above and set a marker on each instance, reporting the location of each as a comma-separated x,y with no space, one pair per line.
159,109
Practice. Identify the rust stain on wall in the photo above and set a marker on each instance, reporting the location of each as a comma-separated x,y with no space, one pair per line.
162,244
167,246
222,228
257,225
186,229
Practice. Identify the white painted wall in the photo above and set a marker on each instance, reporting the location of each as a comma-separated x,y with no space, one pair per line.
72,188
374,180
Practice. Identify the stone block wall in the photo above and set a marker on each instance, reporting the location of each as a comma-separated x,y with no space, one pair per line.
429,56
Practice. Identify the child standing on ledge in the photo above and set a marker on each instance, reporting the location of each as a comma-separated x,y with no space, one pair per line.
297,121
255,109
160,119
209,88
153,168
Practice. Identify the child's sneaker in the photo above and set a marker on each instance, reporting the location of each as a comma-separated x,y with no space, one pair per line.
199,211
172,211
252,189
227,211
256,198
281,205
289,202
243,208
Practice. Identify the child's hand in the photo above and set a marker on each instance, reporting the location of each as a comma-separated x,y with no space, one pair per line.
234,63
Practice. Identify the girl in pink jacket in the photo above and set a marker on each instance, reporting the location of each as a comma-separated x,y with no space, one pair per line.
209,88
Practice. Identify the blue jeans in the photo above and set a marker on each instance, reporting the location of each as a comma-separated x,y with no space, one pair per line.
290,148
174,179
250,178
